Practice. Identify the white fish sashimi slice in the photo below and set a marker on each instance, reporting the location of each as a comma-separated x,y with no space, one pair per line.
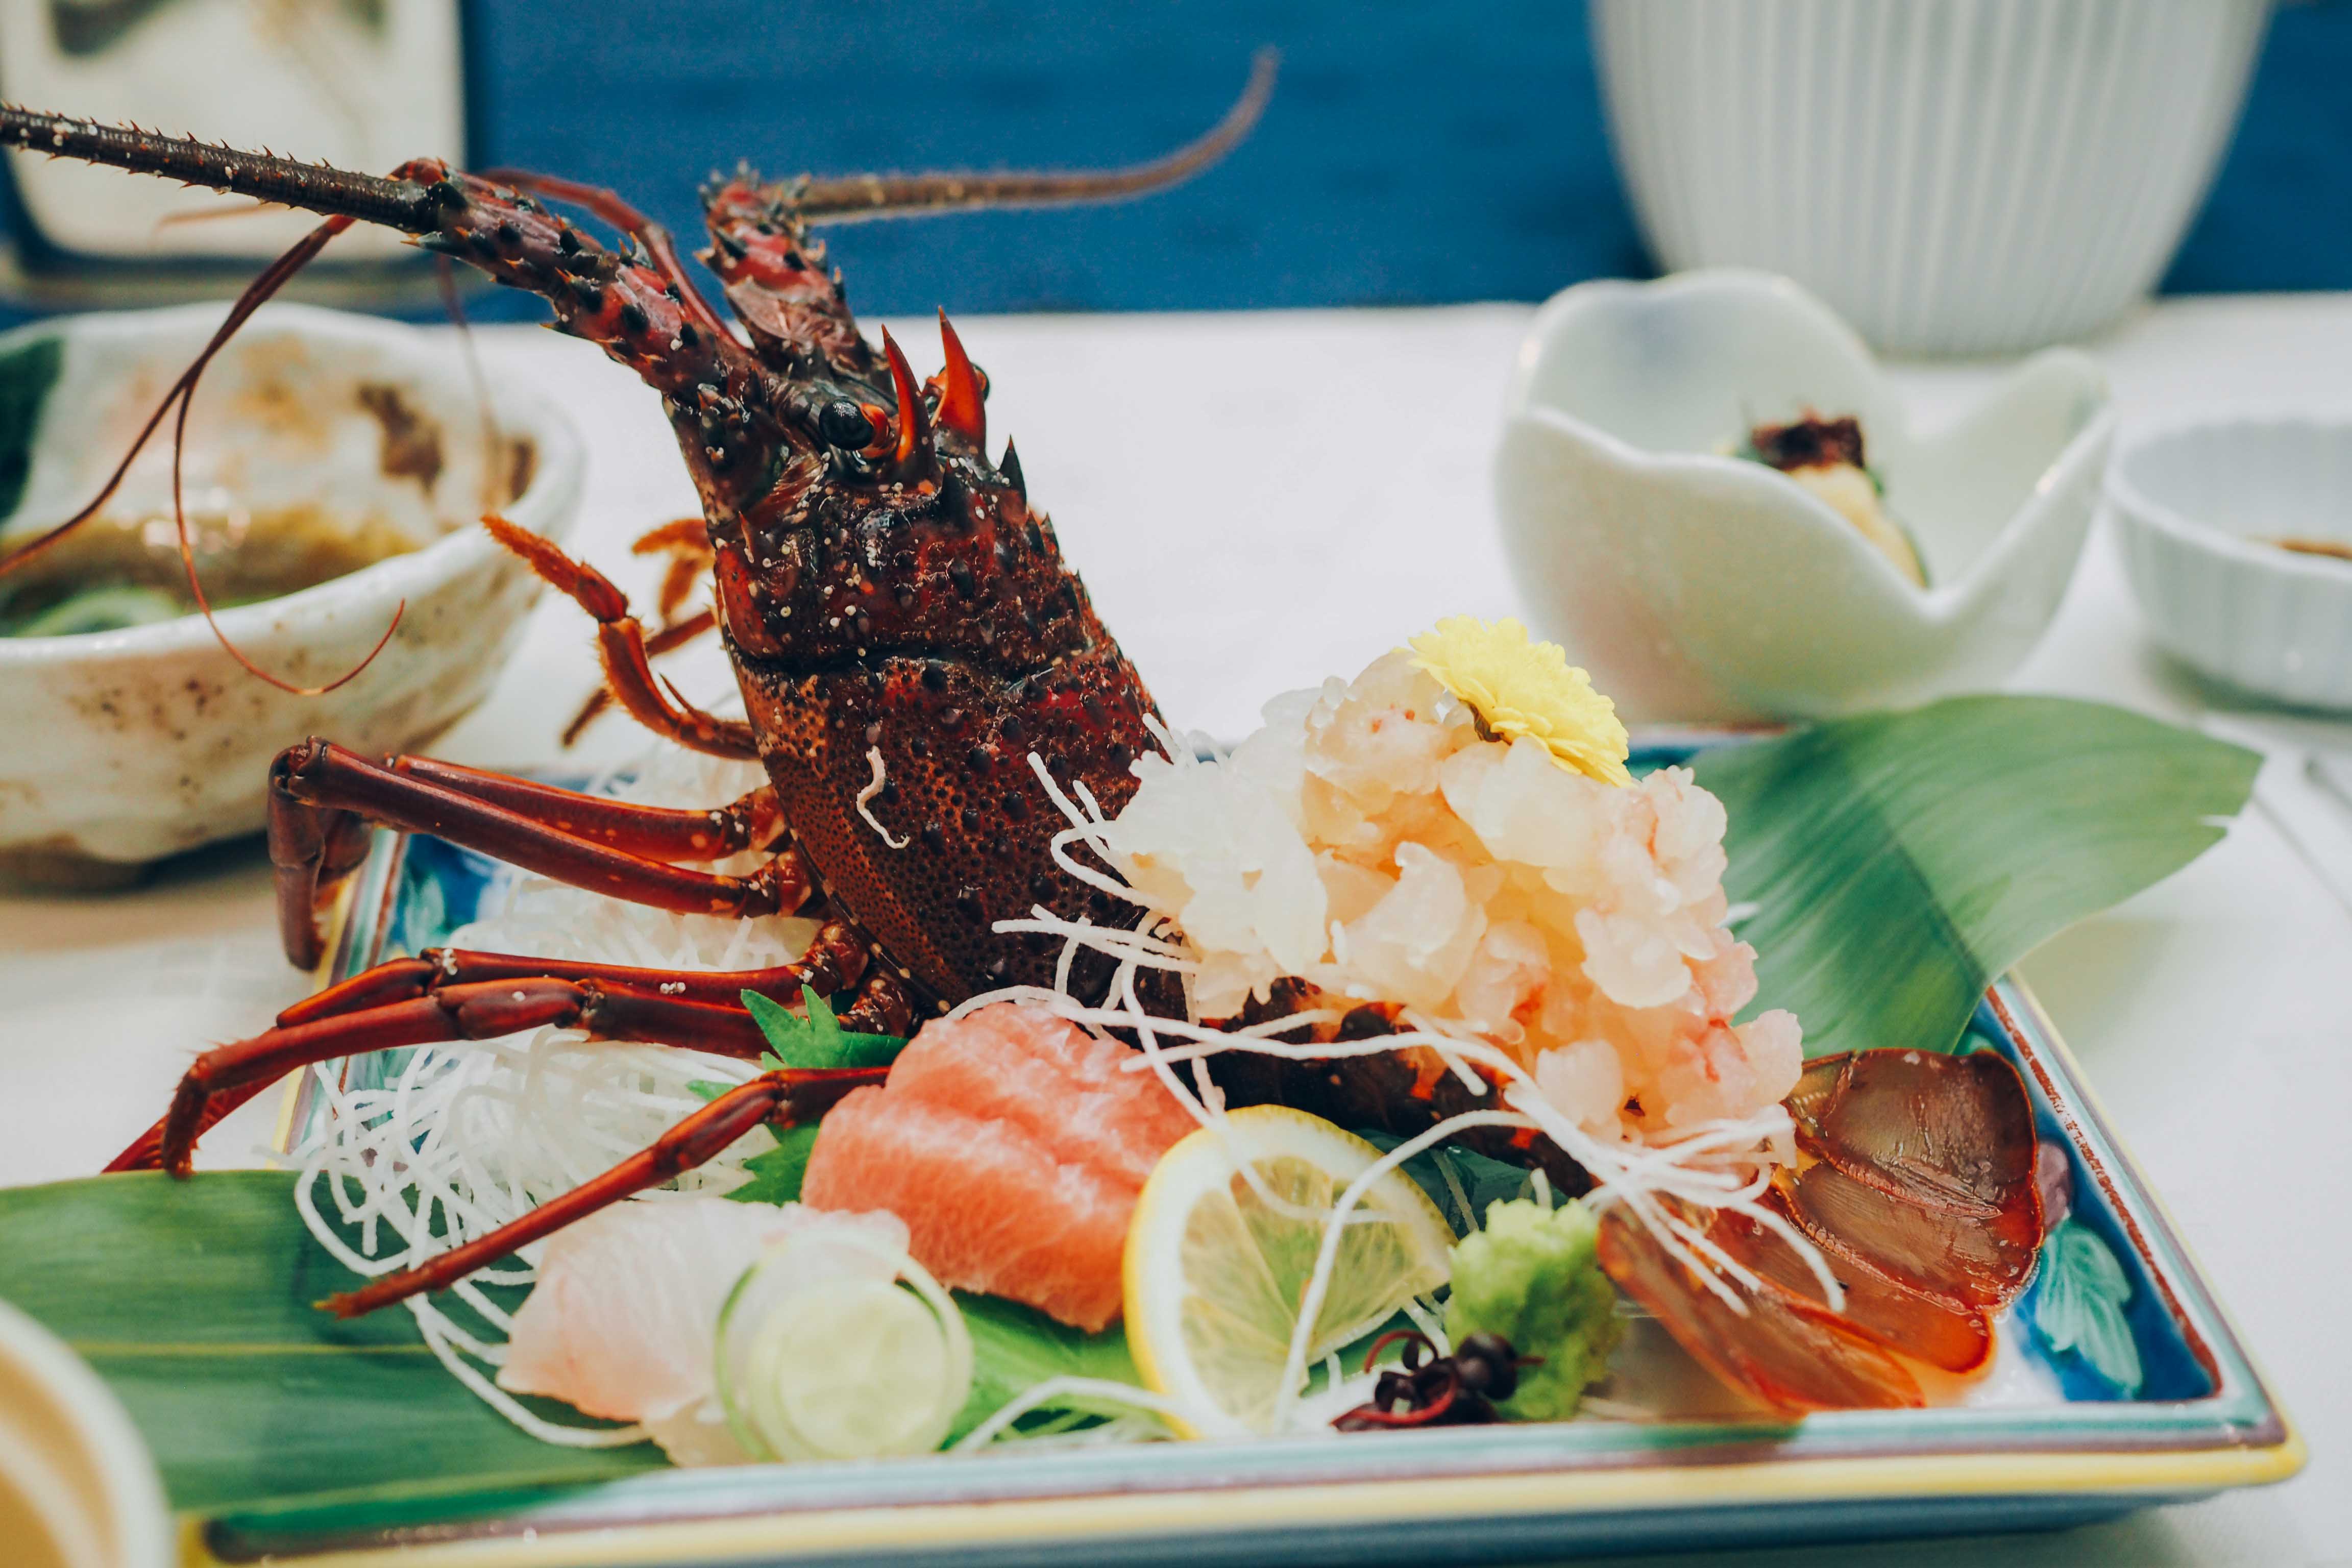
624,1321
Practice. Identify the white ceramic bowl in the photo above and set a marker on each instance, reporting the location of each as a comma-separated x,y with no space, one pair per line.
120,747
1952,175
2193,503
78,1488
1697,586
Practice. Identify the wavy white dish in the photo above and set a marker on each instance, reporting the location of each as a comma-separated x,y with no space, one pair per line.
2196,505
120,747
1701,587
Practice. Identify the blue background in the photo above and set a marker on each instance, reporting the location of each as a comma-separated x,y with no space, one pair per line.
1413,153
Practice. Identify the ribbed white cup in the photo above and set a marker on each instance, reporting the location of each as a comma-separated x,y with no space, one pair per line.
1952,177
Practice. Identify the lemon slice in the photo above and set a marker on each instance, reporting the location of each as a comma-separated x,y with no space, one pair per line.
1215,1275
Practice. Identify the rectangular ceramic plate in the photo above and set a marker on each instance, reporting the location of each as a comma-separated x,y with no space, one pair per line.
2202,1420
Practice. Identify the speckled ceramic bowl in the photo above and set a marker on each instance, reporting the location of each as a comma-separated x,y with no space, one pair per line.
120,747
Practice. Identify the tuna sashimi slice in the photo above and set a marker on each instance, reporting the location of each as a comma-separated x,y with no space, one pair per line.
1014,1147
1026,1068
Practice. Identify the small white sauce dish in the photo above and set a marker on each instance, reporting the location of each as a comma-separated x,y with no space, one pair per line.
1698,587
120,747
2198,506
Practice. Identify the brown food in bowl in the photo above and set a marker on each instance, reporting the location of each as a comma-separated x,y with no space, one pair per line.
126,571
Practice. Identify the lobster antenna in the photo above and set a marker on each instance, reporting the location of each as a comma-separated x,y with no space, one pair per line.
863,196
403,205
415,207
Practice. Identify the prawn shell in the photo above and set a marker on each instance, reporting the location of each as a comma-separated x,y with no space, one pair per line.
1979,1260
1924,1171
1791,1352
1955,1131
1947,1334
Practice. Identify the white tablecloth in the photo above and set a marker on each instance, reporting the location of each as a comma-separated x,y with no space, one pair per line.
1258,502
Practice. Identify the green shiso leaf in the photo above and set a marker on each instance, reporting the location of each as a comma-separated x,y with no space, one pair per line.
1014,1347
817,1041
1900,861
777,1172
193,1299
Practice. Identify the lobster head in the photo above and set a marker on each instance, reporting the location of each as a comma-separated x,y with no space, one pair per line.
905,631
912,651
886,528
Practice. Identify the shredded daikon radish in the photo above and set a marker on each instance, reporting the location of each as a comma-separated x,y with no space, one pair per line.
470,1135
1038,1394
1724,1163
864,800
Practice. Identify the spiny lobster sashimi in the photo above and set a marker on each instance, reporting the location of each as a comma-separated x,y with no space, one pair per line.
903,628
911,651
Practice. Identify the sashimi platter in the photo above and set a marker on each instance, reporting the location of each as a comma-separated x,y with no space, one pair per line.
945,1101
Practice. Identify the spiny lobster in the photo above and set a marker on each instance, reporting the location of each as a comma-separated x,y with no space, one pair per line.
901,624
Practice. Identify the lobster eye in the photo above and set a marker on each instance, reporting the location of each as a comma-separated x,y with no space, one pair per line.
843,424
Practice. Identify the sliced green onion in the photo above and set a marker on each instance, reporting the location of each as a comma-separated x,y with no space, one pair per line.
823,1356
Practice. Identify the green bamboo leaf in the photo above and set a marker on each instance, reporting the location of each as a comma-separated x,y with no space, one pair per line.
193,1299
1900,861
1460,1182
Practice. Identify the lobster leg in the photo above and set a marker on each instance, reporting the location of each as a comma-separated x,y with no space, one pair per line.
750,821
320,794
836,959
483,1010
675,635
687,543
621,643
782,1098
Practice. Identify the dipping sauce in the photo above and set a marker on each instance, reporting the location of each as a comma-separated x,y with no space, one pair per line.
2334,550
117,571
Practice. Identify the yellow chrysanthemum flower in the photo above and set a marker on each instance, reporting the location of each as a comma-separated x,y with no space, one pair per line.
1520,687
